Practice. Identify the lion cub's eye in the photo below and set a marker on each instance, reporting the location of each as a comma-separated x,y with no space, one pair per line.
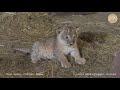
67,37
74,36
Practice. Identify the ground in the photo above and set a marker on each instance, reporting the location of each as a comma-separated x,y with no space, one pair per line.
98,41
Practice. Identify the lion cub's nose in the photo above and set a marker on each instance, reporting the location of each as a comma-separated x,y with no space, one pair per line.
71,44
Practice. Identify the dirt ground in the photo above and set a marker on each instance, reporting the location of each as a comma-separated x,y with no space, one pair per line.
98,41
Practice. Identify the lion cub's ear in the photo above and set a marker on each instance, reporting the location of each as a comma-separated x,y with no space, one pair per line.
76,27
61,28
58,31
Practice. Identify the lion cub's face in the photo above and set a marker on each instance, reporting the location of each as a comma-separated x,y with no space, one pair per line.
68,35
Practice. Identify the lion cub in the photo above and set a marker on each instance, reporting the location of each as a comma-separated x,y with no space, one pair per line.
56,47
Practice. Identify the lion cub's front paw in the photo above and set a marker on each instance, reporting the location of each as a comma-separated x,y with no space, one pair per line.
66,64
80,61
34,61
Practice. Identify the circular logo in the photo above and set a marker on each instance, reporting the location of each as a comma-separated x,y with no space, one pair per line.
112,18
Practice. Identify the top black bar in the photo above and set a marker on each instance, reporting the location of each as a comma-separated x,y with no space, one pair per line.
58,5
